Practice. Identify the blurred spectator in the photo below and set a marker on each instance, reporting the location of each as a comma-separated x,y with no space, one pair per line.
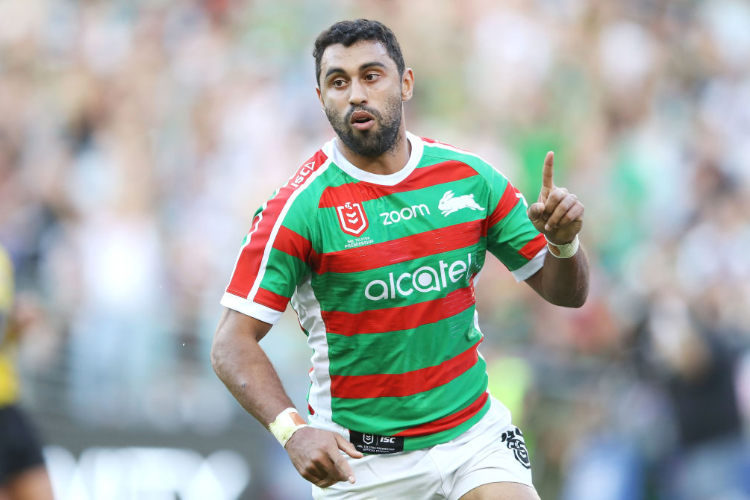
23,475
698,375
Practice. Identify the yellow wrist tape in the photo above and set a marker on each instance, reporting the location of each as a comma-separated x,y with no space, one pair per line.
286,424
564,251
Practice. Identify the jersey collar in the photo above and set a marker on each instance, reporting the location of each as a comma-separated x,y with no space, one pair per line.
384,180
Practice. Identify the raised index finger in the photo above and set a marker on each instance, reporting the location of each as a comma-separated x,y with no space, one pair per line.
547,171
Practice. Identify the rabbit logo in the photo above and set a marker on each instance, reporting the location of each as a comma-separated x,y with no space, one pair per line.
449,204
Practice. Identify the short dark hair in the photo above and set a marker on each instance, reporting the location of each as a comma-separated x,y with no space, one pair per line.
347,33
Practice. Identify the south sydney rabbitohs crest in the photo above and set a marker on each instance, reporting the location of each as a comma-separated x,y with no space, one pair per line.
514,440
352,218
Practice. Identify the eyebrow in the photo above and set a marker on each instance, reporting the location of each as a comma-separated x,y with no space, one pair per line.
364,66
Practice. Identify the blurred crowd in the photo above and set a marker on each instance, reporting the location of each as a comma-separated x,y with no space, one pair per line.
137,138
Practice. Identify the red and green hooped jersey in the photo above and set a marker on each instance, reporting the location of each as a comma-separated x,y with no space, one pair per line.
381,270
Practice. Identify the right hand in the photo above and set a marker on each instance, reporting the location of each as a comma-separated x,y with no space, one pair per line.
557,214
315,454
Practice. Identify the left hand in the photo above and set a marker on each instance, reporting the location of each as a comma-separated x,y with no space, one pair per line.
557,214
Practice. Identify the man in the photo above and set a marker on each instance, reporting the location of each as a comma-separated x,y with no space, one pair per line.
23,475
378,239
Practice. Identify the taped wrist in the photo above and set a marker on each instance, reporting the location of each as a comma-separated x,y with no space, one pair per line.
286,424
565,251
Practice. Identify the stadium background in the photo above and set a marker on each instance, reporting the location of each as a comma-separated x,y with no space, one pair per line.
138,137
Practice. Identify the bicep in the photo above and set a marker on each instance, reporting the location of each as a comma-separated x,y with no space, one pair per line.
235,325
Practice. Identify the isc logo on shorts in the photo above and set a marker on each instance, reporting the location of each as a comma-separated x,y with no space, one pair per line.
376,445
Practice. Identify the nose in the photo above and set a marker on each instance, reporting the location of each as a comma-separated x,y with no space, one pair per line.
358,93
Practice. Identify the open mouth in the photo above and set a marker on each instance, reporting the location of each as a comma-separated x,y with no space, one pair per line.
362,120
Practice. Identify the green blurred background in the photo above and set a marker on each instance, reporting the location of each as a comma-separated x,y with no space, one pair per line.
137,138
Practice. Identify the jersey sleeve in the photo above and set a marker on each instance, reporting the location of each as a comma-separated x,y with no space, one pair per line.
511,237
275,255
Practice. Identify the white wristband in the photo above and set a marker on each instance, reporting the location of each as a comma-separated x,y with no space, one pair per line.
565,251
286,424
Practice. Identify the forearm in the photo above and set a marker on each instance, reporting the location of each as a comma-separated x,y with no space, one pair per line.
558,215
565,282
246,371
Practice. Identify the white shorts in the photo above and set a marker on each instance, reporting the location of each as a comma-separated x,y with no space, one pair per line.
491,451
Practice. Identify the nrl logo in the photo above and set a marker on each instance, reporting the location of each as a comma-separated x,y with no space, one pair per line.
448,204
352,218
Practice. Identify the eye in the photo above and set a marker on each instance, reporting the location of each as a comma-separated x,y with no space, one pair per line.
371,76
338,83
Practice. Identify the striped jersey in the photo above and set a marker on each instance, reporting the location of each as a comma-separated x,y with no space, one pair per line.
380,270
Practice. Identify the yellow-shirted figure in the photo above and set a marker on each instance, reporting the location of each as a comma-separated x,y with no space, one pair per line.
23,475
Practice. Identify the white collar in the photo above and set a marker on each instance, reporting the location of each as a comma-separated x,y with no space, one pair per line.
384,180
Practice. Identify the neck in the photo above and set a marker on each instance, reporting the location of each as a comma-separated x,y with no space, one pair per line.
389,162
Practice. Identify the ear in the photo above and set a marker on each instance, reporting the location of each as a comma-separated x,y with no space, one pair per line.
320,98
407,84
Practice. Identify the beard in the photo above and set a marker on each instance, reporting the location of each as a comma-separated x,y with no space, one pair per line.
369,143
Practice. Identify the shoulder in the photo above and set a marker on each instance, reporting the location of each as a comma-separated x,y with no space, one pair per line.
441,152
308,173
308,181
